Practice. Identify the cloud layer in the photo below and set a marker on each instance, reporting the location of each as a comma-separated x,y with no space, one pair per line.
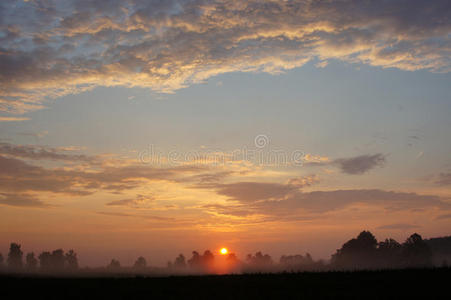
54,48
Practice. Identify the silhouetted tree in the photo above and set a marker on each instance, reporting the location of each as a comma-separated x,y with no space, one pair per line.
297,262
259,259
1,260
389,253
441,250
71,260
15,256
140,263
258,262
114,265
234,265
208,258
57,260
31,261
203,262
195,262
45,261
357,253
179,262
416,253
231,258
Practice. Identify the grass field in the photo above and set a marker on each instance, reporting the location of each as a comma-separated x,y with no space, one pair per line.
396,284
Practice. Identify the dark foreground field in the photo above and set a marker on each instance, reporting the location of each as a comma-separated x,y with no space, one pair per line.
405,284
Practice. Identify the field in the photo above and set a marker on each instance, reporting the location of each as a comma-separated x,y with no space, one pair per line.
396,284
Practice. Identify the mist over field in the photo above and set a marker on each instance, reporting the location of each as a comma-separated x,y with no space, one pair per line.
361,253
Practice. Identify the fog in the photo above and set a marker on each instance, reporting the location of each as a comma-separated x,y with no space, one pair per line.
361,253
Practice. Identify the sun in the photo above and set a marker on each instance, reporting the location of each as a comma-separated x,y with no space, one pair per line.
224,251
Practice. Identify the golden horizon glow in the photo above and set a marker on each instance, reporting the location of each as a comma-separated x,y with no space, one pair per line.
224,251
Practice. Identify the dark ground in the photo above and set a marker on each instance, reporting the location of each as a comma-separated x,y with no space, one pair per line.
402,284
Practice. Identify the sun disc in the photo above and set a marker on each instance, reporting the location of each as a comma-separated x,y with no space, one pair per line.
224,251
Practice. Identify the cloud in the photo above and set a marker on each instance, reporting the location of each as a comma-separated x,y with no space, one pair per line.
310,158
18,176
58,48
149,217
444,217
360,164
326,201
351,165
260,191
40,134
231,210
21,200
444,179
399,226
13,119
287,201
136,202
40,153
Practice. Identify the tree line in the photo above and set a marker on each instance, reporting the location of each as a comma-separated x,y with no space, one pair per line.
56,260
362,252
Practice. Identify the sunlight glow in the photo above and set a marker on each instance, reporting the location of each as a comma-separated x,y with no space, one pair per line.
224,251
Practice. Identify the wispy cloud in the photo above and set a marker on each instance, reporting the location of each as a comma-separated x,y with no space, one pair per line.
399,226
444,179
138,201
41,153
443,217
287,201
22,200
13,119
53,48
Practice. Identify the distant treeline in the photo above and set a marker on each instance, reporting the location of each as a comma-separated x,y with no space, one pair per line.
362,252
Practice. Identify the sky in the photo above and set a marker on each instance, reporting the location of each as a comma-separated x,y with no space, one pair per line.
155,128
